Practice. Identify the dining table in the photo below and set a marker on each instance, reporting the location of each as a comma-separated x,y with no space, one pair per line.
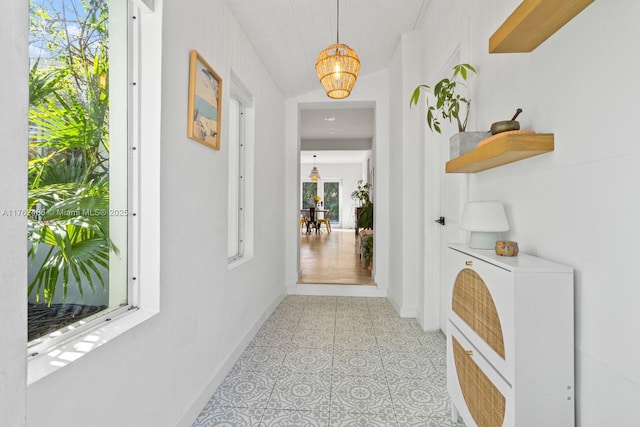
306,214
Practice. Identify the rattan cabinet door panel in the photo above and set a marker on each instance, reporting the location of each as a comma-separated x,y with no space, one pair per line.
482,308
487,396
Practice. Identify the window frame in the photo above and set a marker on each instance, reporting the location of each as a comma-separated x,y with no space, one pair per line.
143,197
245,179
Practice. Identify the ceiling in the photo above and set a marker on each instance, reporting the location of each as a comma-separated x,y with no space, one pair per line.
333,156
289,34
349,123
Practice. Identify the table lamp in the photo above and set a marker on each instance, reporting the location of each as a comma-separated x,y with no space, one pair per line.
485,220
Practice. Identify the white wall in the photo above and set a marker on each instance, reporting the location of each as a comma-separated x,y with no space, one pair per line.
396,292
162,372
578,205
348,175
14,104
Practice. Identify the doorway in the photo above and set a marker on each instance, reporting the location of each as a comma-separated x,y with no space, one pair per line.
338,142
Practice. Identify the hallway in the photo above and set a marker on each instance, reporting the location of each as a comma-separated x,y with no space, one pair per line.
335,361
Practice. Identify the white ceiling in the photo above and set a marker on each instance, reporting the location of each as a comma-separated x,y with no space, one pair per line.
333,156
289,34
334,133
337,123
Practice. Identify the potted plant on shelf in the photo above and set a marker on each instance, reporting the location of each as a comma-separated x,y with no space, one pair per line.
449,104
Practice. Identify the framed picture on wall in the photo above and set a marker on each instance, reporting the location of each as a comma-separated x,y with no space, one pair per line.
205,102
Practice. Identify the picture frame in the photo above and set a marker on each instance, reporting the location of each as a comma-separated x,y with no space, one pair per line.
205,102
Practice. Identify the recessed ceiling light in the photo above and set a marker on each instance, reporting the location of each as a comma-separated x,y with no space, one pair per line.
330,119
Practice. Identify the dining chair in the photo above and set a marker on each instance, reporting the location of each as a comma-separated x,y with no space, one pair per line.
303,222
311,220
325,221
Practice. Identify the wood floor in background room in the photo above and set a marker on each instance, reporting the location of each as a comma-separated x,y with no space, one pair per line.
331,258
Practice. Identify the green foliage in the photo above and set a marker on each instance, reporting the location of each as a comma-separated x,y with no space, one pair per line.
365,219
447,101
367,247
68,166
362,192
309,190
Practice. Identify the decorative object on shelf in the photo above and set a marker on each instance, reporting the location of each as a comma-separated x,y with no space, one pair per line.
463,142
338,66
505,147
532,22
506,125
314,175
484,219
447,100
205,102
506,248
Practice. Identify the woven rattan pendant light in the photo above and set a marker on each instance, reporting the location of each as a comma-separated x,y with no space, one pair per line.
338,66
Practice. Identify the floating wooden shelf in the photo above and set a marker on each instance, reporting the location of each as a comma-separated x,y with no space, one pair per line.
506,149
533,22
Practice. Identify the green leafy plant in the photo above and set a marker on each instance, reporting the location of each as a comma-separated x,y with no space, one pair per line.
68,170
448,102
367,251
365,219
362,192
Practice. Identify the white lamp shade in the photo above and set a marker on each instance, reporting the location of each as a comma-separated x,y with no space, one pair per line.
485,215
485,220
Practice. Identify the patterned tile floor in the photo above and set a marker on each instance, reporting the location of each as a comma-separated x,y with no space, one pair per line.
335,361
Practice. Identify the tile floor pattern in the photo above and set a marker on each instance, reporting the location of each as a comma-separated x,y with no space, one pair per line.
335,361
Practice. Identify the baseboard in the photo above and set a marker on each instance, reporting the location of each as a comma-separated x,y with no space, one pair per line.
216,379
337,290
402,310
420,317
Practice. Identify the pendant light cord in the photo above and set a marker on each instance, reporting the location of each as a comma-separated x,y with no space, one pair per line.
338,22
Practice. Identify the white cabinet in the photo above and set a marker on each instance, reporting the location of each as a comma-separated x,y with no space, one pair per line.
510,339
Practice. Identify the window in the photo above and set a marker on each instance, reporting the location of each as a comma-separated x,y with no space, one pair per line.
235,248
79,166
329,192
309,190
240,210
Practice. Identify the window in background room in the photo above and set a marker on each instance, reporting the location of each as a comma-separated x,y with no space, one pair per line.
308,190
331,198
241,124
78,169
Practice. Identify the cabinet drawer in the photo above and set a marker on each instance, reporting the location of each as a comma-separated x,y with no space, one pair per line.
482,308
477,390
